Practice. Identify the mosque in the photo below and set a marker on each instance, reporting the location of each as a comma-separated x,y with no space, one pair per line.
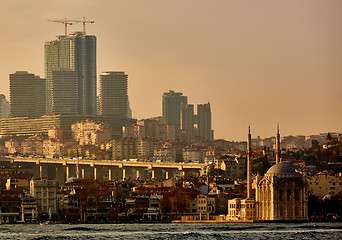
280,195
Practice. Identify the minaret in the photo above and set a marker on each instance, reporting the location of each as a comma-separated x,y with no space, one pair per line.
277,145
78,162
249,164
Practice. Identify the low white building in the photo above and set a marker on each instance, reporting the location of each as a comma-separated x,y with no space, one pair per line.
45,191
241,209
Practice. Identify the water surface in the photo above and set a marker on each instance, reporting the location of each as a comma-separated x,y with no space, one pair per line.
173,231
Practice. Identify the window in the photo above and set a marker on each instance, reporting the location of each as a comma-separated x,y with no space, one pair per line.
289,197
281,211
296,211
296,194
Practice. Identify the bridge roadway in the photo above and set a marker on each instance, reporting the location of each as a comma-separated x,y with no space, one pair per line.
108,168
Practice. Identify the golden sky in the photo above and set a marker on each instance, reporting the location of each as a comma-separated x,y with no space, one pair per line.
257,62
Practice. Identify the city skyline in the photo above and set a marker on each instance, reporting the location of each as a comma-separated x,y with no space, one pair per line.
251,69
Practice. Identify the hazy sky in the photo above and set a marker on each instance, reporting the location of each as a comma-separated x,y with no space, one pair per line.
257,62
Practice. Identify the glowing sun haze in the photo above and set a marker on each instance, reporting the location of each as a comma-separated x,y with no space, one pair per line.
258,62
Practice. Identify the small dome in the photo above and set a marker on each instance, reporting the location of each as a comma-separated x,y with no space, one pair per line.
281,168
71,180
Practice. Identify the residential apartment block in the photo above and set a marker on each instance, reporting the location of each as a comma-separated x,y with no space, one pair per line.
89,132
325,183
45,191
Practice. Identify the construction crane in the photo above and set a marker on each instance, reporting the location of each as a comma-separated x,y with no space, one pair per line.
84,21
65,21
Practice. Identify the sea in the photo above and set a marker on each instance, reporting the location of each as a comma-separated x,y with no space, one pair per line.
173,231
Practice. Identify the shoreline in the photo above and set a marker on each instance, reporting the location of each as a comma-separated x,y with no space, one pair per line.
174,222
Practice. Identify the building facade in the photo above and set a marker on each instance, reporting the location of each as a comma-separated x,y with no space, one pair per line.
124,148
196,126
187,120
77,52
89,132
281,195
30,126
27,95
64,92
45,191
204,122
171,106
325,183
4,107
113,94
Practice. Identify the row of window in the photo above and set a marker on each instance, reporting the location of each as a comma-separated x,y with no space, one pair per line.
242,205
283,195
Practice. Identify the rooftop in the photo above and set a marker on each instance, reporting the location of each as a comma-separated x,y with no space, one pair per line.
281,168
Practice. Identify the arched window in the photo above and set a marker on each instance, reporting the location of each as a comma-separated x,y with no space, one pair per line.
281,192
289,197
269,195
296,194
262,195
265,195
296,211
281,211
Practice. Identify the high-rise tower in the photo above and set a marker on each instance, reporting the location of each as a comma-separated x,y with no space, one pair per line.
64,92
187,120
27,95
204,122
113,94
77,52
4,107
171,106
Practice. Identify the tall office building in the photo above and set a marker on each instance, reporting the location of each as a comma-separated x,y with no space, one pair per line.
196,126
64,92
204,122
40,96
171,106
113,94
77,52
187,120
27,95
129,110
4,107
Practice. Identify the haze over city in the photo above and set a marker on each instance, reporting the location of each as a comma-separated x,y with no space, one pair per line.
257,63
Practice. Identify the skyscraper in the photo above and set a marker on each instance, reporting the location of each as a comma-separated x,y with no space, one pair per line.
39,96
77,52
4,107
187,120
64,92
204,122
171,106
27,95
113,94
196,126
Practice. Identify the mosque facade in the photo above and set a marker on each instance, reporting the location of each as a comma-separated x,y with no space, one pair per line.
280,195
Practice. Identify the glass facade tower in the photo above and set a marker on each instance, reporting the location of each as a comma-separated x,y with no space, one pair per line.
113,94
27,94
78,53
172,106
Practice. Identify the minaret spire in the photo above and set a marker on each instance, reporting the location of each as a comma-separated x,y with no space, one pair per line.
277,145
249,164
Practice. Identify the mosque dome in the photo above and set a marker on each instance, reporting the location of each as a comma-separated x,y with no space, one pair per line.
282,168
71,180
